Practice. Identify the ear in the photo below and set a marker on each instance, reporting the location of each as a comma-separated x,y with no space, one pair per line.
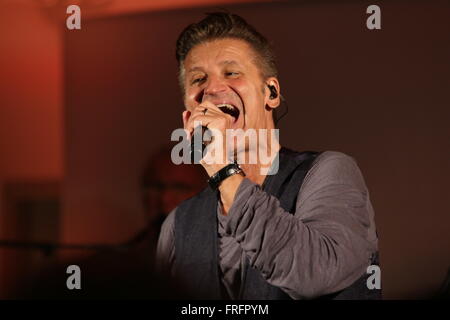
274,102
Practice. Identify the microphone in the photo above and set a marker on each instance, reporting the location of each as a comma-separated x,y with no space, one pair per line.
198,146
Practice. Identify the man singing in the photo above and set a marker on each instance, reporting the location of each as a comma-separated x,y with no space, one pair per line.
305,230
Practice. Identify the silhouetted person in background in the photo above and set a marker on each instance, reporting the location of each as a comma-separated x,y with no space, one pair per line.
127,270
165,185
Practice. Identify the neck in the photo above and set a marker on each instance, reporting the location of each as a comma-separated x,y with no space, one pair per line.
257,172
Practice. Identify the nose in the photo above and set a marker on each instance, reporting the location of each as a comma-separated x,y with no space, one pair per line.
214,86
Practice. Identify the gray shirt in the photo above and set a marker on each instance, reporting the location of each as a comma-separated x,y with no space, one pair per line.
323,248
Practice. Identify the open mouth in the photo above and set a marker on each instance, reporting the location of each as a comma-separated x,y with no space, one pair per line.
229,109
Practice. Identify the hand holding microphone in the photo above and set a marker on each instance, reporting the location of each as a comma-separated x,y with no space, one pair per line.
210,117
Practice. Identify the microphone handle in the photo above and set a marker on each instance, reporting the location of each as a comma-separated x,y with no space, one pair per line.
198,146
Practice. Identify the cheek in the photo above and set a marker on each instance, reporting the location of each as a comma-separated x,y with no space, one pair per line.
243,85
247,90
253,97
190,99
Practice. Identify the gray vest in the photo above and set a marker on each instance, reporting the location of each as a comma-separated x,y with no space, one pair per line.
196,240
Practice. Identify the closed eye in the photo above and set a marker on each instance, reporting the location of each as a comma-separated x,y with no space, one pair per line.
232,74
197,80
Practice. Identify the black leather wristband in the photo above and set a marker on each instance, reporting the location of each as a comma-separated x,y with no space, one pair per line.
216,179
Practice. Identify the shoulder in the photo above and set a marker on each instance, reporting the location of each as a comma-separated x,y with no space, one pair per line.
333,164
333,168
167,228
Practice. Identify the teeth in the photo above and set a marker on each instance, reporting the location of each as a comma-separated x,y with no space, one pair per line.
229,109
226,105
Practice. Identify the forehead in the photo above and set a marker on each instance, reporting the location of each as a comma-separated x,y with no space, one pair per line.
220,52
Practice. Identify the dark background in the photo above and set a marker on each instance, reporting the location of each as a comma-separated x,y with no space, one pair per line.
381,96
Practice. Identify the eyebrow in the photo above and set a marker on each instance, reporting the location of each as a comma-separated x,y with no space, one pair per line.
195,69
229,62
225,62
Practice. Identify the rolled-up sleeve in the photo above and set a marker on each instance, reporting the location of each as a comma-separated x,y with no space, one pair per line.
325,246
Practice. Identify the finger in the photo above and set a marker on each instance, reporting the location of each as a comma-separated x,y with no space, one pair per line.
207,110
199,111
213,118
208,105
213,111
199,119
195,120
186,114
203,113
